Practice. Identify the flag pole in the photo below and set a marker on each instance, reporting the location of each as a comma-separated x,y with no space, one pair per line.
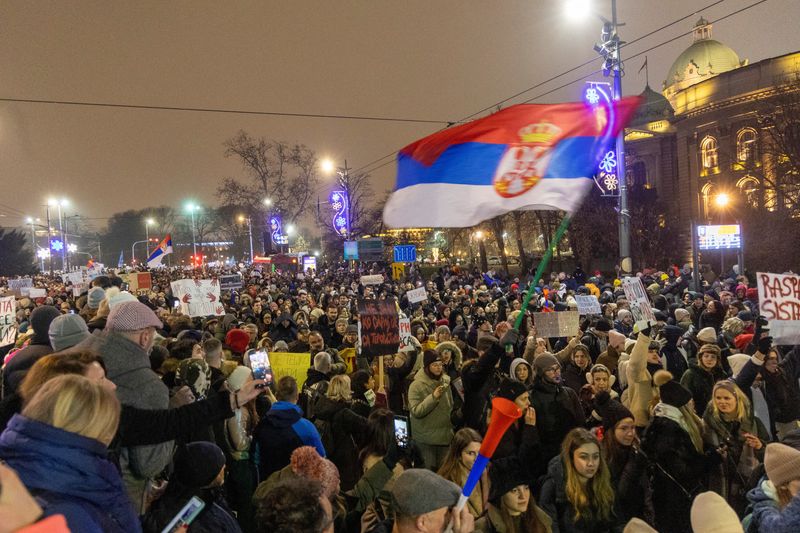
540,269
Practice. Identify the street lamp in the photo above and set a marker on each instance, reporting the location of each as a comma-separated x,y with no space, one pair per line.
31,220
342,198
722,200
192,207
267,202
290,229
147,223
60,202
242,218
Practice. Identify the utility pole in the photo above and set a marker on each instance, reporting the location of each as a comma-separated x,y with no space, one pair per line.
625,263
49,247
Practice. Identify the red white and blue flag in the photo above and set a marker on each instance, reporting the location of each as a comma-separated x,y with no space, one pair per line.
527,156
159,253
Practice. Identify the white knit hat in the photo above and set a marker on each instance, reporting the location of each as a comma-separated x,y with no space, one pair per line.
712,514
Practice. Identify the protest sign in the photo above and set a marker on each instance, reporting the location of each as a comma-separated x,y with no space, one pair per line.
404,325
16,285
398,271
79,288
348,355
34,292
417,295
290,364
8,322
637,299
379,329
74,277
139,282
779,302
588,305
198,297
231,281
556,324
375,279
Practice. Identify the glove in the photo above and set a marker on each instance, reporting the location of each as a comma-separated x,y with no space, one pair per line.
510,337
764,344
760,323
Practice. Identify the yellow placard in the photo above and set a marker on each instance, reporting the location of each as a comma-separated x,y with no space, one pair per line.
398,271
349,356
290,364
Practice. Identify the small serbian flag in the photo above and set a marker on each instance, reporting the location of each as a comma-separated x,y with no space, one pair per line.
527,156
159,253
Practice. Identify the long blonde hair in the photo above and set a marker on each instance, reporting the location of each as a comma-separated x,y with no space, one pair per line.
595,500
339,389
694,426
78,405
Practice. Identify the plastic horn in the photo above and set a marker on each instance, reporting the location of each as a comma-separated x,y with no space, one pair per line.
504,412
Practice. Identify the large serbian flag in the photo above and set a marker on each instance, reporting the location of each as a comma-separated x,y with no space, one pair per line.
159,253
527,156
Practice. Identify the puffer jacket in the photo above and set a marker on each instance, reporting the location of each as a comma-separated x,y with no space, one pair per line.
766,516
430,417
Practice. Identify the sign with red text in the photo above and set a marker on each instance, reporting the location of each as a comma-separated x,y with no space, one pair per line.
8,320
198,297
379,327
779,302
637,300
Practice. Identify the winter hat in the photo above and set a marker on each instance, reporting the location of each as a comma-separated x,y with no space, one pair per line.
602,325
682,314
429,357
510,389
66,331
733,325
198,464
486,342
118,298
622,314
637,525
307,463
418,491
96,295
280,346
707,335
745,316
239,377
351,329
515,363
543,361
505,475
751,294
195,374
322,362
672,392
237,339
460,332
737,362
782,463
712,514
616,339
610,410
131,316
741,341
41,318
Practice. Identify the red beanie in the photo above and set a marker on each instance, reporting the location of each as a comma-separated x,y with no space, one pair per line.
238,340
752,294
741,341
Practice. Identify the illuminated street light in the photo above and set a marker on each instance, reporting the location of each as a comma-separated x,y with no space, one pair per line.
290,229
72,248
191,207
577,9
479,235
722,200
327,166
267,202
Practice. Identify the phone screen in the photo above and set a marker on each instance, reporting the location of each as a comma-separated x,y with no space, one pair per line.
177,303
186,515
401,435
259,363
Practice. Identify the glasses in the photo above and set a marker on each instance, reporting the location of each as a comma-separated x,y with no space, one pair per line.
553,369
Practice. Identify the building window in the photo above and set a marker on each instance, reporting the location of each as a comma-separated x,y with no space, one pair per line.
639,172
750,189
708,152
746,145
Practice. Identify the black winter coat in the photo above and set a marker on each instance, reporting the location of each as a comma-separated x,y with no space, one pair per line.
700,383
558,410
347,429
574,377
480,380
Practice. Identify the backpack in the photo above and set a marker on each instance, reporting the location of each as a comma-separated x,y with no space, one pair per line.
311,396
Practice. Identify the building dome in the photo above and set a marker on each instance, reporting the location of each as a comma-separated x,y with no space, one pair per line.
705,58
654,107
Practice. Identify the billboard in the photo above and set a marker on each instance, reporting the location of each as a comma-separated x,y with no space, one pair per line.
724,237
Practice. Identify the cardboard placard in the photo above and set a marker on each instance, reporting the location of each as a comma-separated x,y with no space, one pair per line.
779,302
16,285
198,297
290,364
588,305
404,325
231,281
79,288
637,299
556,324
375,279
417,295
139,282
8,320
35,292
378,328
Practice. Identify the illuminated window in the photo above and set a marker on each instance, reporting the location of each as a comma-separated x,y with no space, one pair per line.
750,188
708,152
746,145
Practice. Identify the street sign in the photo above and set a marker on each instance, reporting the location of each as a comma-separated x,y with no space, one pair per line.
405,253
398,271
351,250
370,249
725,237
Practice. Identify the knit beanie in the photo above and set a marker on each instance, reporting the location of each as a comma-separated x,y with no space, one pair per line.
116,299
504,476
637,525
733,325
198,463
543,361
671,392
682,314
41,318
602,325
782,463
322,362
742,341
510,389
712,514
429,357
96,295
707,335
66,331
237,339
307,463
610,410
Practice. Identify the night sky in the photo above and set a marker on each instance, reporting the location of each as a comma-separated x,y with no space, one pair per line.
436,60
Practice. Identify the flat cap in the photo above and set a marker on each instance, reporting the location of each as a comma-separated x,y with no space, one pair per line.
419,491
131,316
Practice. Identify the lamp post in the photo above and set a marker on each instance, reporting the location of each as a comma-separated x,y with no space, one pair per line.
147,223
242,218
30,220
192,208
62,202
343,173
133,257
49,255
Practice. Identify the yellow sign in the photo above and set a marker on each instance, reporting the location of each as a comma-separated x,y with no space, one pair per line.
349,356
290,364
398,271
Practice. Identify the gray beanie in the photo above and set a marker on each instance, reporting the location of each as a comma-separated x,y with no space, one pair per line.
96,295
66,331
544,361
322,362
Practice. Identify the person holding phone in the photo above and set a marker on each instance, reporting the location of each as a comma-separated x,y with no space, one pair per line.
430,401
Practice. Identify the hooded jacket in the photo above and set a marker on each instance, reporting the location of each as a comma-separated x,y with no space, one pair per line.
452,369
279,332
280,432
674,359
23,360
70,475
430,417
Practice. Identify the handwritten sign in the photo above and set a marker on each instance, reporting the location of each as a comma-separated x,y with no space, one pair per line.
404,325
638,300
558,324
588,305
379,329
417,295
140,282
375,279
290,364
8,321
34,292
198,297
79,288
779,302
16,285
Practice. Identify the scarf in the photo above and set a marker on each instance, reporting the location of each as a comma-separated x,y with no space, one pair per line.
671,412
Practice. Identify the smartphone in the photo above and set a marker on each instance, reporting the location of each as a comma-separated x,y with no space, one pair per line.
176,304
185,516
259,363
402,433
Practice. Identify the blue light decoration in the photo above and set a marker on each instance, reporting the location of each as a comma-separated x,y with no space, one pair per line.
276,230
598,94
56,245
405,253
340,203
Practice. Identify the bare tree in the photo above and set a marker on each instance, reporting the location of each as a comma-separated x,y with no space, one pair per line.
780,122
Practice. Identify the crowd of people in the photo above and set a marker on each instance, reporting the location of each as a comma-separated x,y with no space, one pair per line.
119,413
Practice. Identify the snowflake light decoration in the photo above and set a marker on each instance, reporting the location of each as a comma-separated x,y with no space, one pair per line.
56,245
592,96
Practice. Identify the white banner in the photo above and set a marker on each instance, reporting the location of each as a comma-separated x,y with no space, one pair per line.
16,286
417,295
779,302
8,321
405,335
637,299
588,305
198,297
375,279
37,293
